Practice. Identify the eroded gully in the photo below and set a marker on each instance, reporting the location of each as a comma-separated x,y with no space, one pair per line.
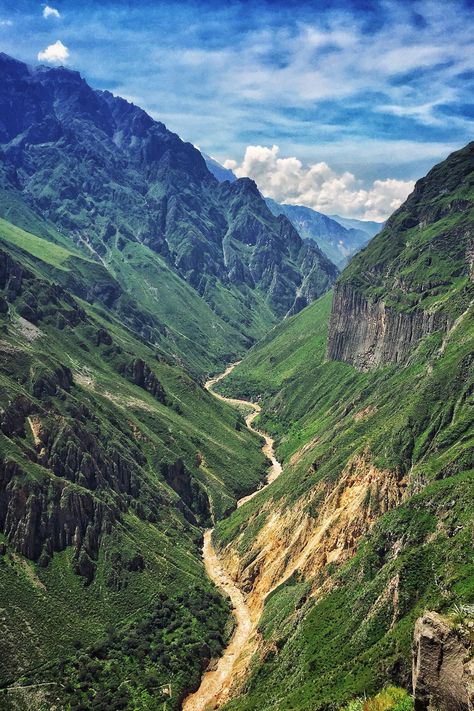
217,682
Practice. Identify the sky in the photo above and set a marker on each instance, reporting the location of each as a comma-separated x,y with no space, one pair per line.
337,105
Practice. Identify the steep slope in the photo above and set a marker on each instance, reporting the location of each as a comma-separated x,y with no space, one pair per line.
371,521
337,242
112,459
415,277
141,201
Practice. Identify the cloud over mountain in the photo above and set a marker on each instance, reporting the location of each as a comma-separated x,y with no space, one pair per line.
56,53
319,186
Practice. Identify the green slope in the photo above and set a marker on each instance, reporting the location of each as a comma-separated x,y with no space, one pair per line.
341,644
135,280
108,440
396,444
208,263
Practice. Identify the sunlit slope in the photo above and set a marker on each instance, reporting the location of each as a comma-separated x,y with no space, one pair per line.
371,521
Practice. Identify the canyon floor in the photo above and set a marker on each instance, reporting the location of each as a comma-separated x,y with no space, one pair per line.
217,681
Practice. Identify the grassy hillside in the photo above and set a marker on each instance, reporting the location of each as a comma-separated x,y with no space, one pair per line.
139,286
343,631
371,521
112,460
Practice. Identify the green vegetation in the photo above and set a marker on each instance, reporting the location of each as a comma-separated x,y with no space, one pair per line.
136,665
113,458
328,412
419,258
345,629
390,699
127,275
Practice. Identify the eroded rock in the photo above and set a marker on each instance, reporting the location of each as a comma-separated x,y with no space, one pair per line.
443,672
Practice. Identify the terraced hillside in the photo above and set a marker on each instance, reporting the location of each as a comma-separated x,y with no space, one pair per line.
371,521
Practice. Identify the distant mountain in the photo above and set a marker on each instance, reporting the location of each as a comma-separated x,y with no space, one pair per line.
337,242
338,237
218,170
372,228
211,265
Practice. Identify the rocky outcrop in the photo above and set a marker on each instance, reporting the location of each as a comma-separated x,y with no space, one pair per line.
72,452
324,528
12,419
443,668
140,373
193,496
366,333
39,518
49,382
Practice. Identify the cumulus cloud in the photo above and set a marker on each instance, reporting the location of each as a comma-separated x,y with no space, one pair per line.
56,53
318,186
49,11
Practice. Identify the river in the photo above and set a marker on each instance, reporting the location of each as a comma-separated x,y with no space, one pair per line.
217,681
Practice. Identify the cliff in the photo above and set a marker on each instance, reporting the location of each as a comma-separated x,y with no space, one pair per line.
415,277
367,333
443,668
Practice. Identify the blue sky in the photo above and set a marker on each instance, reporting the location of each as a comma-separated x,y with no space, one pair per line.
340,97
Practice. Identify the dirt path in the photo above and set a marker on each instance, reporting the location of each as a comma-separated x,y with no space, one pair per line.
216,683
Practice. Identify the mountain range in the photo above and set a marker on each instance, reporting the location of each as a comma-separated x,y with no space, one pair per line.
337,240
142,204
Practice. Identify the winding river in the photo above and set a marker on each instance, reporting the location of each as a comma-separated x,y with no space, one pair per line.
217,681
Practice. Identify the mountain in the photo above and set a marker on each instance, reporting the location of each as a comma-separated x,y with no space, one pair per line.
218,170
368,393
112,460
372,228
208,262
337,242
413,279
337,237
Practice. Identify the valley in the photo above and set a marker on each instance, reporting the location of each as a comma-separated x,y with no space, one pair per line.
216,683
236,468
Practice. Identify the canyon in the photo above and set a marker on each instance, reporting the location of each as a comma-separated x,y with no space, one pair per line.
320,488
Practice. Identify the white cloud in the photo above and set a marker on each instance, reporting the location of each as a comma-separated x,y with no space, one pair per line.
318,186
49,11
6,23
56,53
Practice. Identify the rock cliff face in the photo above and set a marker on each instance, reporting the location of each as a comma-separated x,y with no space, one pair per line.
296,541
193,496
40,519
367,333
443,668
414,278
